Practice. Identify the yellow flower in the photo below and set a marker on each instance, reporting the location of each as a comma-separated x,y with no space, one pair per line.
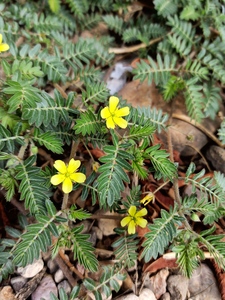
150,197
3,47
113,114
67,174
134,219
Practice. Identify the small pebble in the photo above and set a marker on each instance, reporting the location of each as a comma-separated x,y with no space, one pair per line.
59,276
7,293
46,286
177,286
52,265
65,285
166,296
18,282
147,294
32,269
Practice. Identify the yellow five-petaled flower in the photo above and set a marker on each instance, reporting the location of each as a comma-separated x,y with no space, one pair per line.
113,114
134,219
67,174
3,47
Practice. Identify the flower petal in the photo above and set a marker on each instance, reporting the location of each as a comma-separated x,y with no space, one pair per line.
0,38
73,165
132,210
124,111
120,122
78,177
67,185
125,221
57,179
113,102
141,213
110,123
60,166
141,222
148,198
105,113
131,227
4,47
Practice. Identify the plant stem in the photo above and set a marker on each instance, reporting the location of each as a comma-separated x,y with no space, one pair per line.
65,201
74,148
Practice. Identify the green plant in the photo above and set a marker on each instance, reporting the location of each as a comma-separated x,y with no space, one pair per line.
189,60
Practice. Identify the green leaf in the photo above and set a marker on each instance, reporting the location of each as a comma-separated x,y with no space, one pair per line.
83,250
48,139
189,13
79,214
87,124
54,5
23,94
161,163
110,181
162,233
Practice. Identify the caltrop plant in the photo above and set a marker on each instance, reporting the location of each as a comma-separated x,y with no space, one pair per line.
53,98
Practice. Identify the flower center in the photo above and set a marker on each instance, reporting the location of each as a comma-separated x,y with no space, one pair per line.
67,174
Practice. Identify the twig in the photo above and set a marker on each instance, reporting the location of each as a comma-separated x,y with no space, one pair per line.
74,148
69,265
175,180
172,255
66,271
65,201
62,92
134,48
202,156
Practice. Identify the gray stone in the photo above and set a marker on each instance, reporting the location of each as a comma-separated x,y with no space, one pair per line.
107,226
52,265
93,238
203,285
157,283
216,156
59,276
46,255
165,296
46,286
98,232
177,286
147,294
18,282
65,285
